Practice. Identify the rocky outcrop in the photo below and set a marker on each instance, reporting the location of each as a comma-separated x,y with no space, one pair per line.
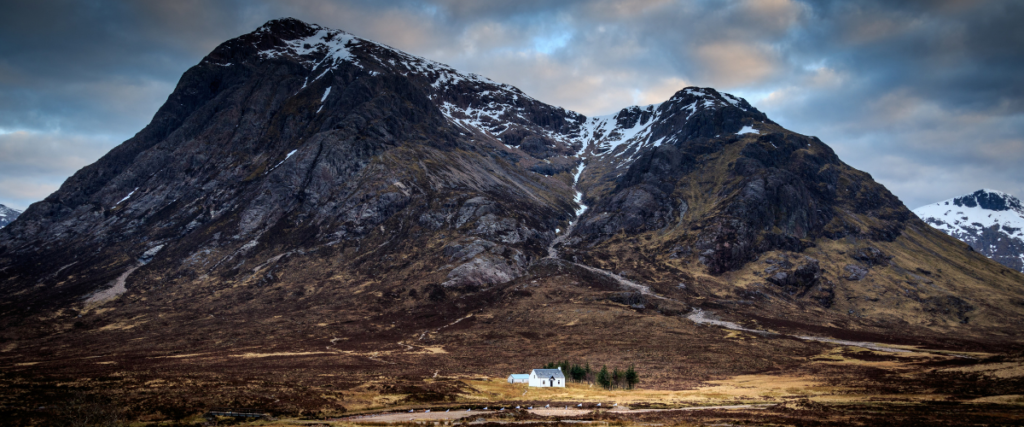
854,272
483,270
871,256
800,277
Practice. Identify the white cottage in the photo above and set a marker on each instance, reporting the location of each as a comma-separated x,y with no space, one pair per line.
547,378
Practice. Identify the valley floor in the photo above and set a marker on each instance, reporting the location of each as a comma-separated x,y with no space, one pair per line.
840,385
345,361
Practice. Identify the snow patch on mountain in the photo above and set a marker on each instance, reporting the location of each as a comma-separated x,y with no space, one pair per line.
578,198
626,139
324,98
748,129
605,133
125,198
334,44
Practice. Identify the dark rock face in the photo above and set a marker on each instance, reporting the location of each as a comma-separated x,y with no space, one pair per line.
785,191
683,120
632,116
871,256
483,270
800,277
1002,244
795,278
854,272
988,201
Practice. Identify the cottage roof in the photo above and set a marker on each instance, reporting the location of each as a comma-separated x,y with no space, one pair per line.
520,376
547,373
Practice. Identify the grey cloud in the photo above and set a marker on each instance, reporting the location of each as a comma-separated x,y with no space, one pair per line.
97,67
26,153
933,88
34,165
965,55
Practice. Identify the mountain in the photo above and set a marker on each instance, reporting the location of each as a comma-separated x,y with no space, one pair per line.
308,202
992,222
7,215
298,160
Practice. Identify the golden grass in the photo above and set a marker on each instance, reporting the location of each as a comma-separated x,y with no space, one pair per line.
260,355
1013,399
757,388
744,388
180,356
997,370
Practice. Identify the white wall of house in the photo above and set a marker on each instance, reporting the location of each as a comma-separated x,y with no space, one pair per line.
545,380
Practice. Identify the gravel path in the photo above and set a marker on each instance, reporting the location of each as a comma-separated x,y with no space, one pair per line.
422,415
418,415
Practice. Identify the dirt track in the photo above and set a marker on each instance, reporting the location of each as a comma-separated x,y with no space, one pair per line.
422,415
419,415
559,412
692,408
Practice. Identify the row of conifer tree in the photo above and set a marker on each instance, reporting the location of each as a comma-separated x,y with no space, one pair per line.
624,379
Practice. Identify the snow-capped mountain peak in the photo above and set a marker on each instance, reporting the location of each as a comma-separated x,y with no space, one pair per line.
486,110
991,221
7,215
992,200
681,117
696,98
475,104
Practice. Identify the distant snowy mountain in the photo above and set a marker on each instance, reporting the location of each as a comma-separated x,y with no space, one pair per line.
7,215
992,222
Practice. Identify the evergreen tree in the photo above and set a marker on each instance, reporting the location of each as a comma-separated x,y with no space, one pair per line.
617,378
632,378
577,373
602,378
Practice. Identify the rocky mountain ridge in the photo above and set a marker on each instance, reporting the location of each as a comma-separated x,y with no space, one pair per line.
991,221
302,168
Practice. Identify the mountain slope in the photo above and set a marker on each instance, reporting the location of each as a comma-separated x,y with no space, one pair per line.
270,146
306,172
992,222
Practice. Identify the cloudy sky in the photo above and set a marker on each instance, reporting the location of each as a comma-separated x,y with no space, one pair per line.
927,96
